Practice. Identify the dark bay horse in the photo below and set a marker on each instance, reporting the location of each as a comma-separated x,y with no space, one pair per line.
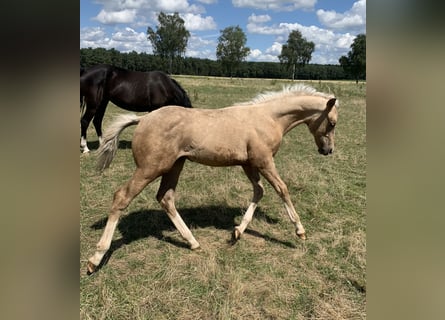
130,90
247,134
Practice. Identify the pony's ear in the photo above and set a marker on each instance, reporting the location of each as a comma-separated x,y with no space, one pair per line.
330,104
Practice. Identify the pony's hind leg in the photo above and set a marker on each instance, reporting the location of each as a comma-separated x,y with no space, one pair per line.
166,197
122,198
258,191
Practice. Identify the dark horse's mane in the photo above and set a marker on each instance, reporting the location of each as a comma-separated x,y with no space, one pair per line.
130,90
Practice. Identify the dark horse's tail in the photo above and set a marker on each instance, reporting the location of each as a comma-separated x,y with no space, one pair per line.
82,97
107,149
82,105
183,97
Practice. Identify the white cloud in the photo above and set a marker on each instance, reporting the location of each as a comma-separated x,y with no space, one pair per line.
195,22
276,5
92,34
275,49
129,35
271,54
140,12
127,4
312,33
355,18
258,55
153,5
198,47
253,18
329,45
255,25
113,17
202,54
255,53
171,6
124,40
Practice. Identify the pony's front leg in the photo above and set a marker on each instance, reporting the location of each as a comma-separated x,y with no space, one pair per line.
271,174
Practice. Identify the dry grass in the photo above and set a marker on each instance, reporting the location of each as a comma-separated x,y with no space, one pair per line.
268,274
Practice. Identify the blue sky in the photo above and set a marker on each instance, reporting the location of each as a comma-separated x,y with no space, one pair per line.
331,24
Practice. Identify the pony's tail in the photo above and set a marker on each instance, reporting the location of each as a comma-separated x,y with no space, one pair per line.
107,149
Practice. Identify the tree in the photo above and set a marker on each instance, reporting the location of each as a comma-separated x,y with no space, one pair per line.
231,49
297,52
354,64
170,39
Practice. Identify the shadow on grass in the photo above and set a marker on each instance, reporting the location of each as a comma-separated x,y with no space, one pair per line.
123,144
152,223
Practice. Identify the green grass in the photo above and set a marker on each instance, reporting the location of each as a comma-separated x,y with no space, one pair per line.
269,273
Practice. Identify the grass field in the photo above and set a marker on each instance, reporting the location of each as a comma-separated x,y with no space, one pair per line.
269,273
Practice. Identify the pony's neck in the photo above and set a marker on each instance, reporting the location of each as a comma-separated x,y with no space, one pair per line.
296,110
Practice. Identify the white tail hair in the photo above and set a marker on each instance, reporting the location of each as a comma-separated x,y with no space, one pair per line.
110,142
83,105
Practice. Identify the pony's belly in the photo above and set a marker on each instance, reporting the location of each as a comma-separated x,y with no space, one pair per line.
219,158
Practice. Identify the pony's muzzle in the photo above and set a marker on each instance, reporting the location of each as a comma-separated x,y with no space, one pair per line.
325,151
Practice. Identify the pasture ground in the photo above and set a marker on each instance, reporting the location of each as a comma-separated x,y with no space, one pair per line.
269,273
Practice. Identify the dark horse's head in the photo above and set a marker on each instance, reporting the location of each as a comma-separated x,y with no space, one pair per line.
181,95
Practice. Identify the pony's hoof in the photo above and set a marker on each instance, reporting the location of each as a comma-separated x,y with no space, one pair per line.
91,268
302,236
236,235
195,247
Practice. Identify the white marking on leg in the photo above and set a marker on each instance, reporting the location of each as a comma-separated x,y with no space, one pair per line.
246,218
83,145
183,229
258,191
294,218
105,241
100,140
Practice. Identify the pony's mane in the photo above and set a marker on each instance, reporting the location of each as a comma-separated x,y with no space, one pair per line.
289,90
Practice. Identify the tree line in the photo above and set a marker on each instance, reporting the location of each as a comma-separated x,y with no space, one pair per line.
206,67
169,42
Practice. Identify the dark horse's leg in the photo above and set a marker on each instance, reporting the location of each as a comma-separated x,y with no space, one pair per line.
84,123
98,117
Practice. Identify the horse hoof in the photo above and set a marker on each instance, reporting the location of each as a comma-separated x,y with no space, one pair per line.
195,247
236,235
91,268
302,236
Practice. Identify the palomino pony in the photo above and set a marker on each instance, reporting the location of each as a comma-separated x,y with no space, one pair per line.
130,90
247,134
